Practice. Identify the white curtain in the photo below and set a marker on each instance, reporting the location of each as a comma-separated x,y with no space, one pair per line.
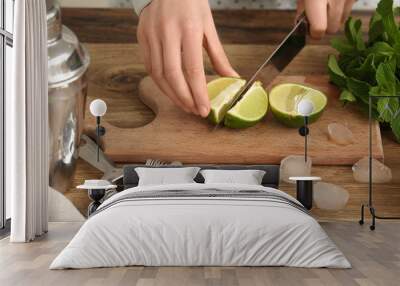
27,123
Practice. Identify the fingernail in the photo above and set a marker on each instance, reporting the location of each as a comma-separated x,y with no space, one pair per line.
203,111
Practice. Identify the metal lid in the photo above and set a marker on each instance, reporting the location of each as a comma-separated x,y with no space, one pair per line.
53,23
68,59
49,4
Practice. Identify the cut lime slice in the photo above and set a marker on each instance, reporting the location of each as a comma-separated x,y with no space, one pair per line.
221,92
250,109
284,100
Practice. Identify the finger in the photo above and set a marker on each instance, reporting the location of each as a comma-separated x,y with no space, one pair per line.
348,5
217,54
194,70
316,12
300,9
173,71
157,72
335,14
144,48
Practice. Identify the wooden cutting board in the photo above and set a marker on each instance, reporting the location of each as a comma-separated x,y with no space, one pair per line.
175,135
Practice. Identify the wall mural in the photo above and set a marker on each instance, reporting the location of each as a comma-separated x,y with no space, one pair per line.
215,4
60,207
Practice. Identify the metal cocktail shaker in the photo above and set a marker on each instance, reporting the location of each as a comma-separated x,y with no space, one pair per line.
67,66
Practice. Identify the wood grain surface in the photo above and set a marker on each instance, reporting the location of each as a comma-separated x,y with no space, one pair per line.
375,259
99,25
176,135
117,68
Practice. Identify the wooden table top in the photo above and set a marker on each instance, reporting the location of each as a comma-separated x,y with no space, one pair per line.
99,25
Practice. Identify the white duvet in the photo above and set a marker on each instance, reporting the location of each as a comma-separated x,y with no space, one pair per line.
200,231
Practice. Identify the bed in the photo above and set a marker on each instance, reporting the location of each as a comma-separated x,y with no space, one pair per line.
201,224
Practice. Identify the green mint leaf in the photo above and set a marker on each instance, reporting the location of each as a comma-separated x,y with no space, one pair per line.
366,71
343,46
347,96
381,49
392,64
397,88
396,48
376,29
386,79
385,9
387,108
396,11
336,74
354,34
352,64
395,124
344,61
375,91
358,88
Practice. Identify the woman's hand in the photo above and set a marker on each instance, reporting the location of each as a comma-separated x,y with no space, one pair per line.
171,35
325,16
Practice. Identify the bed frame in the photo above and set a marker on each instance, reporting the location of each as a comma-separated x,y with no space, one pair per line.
126,177
130,179
271,177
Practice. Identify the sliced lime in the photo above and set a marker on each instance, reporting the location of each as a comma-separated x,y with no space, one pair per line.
285,99
221,92
250,109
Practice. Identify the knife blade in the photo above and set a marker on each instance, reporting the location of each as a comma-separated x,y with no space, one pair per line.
291,45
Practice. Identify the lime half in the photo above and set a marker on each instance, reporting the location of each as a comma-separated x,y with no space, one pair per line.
250,109
285,99
221,92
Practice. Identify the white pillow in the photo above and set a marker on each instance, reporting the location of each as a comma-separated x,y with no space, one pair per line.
248,177
165,176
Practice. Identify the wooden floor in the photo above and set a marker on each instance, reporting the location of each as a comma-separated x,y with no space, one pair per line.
375,257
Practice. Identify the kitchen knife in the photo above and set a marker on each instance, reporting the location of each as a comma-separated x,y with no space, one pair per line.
291,45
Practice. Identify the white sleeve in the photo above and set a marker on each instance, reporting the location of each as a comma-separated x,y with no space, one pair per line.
139,5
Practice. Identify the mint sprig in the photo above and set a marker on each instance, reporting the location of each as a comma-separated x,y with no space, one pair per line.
370,67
